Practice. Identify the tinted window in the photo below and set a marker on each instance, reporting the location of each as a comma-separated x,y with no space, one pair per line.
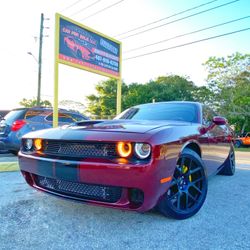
35,115
162,111
65,117
78,118
14,115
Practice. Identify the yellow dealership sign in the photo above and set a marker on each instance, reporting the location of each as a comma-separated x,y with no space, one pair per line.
81,47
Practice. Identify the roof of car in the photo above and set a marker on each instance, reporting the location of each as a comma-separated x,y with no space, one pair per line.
181,102
46,108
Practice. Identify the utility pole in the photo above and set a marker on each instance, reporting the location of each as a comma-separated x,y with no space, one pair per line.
40,61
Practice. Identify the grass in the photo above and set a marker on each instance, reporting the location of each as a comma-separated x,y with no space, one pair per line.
8,166
246,149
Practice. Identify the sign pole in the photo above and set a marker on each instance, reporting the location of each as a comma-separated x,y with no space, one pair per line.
119,86
119,96
56,69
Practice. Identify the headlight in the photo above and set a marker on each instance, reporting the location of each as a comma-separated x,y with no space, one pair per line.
28,144
142,150
38,144
124,149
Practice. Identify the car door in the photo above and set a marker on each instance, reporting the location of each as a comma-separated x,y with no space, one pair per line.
218,140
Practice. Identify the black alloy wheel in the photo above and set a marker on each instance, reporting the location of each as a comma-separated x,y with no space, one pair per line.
229,165
188,188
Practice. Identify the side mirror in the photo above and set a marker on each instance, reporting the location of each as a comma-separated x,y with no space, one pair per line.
218,120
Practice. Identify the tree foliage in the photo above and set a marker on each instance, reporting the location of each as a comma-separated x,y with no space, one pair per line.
103,105
28,103
164,88
229,81
227,91
72,105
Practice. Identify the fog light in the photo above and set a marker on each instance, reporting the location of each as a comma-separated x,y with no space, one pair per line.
29,144
142,150
38,144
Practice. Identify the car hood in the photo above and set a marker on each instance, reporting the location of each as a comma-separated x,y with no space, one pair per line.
127,126
107,130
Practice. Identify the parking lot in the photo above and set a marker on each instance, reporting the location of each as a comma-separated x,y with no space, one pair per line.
33,220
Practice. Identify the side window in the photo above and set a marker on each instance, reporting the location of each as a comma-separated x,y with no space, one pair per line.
77,117
63,117
207,116
34,115
49,118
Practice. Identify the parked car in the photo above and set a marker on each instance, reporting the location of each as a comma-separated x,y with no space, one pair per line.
82,51
3,113
23,120
152,155
243,141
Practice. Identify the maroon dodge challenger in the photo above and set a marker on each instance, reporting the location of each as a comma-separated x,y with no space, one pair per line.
156,155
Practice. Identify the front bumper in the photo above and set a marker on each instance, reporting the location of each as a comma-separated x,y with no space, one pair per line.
6,143
139,185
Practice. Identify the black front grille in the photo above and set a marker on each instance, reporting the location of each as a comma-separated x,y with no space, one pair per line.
80,190
80,149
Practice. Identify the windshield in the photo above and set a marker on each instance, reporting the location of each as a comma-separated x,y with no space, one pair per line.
162,111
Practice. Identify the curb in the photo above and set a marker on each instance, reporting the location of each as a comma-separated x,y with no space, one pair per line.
9,166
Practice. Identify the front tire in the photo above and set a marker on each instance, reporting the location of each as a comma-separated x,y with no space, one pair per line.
188,189
14,152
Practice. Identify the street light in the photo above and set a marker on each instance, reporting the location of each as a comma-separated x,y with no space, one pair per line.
30,53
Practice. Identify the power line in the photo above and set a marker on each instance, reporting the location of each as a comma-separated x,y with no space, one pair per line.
87,7
185,34
108,7
186,17
159,20
185,44
71,5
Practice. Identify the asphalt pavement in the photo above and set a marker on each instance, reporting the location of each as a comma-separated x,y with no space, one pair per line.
34,220
8,158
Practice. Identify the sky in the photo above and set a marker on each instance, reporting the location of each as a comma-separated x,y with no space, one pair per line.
20,25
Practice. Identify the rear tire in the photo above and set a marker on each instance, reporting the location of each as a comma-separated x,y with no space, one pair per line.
188,188
238,144
229,164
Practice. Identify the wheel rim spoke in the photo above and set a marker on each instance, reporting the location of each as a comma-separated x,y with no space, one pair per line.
195,181
194,170
194,186
191,196
187,185
186,200
179,201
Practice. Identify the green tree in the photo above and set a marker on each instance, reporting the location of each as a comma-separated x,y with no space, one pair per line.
28,103
103,105
229,81
164,88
